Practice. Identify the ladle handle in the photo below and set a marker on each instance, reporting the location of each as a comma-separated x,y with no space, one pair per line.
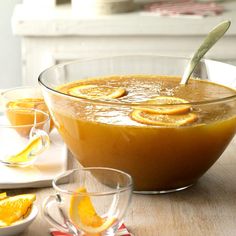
212,37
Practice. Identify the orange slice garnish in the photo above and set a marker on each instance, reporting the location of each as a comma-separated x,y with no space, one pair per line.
15,208
152,118
3,195
91,91
165,108
26,103
27,154
25,119
84,216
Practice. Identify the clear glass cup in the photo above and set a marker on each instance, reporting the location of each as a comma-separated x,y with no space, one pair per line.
25,97
89,201
23,136
160,159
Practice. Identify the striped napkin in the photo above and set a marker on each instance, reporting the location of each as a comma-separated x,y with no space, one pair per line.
122,231
184,7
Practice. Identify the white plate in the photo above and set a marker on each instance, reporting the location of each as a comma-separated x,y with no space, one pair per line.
20,226
49,164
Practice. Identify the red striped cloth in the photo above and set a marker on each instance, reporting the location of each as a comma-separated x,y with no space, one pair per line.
122,231
184,7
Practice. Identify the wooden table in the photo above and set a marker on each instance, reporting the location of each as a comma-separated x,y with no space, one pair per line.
208,208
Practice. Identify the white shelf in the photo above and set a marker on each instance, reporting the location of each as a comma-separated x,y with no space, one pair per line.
54,35
60,21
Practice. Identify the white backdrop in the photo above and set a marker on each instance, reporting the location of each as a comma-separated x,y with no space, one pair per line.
10,61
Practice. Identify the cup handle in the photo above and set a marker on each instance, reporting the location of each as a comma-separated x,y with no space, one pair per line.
48,205
44,141
49,202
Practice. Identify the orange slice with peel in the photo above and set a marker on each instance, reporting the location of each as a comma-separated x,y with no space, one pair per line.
26,103
84,216
167,105
25,119
27,154
152,118
91,91
3,195
15,208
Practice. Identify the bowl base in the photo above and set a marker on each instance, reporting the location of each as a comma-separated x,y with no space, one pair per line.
152,192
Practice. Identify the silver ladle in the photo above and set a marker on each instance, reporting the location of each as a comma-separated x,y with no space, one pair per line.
213,36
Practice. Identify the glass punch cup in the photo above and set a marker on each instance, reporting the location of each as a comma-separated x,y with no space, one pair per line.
89,201
131,113
23,136
25,97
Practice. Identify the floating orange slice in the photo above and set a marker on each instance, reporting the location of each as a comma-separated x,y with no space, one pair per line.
91,91
15,208
24,119
84,216
26,103
150,118
3,195
171,109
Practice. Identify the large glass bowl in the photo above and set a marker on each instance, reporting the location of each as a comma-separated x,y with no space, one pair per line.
160,159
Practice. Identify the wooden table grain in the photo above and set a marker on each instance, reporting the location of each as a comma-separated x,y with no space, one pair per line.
207,208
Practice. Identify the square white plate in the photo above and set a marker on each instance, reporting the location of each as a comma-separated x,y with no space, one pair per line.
49,164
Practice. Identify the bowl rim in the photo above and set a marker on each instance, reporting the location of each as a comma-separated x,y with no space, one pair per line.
115,103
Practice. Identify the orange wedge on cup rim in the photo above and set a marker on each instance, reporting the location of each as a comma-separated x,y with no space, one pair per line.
91,91
83,215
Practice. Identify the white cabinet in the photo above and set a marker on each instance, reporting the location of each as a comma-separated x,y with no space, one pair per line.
53,35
